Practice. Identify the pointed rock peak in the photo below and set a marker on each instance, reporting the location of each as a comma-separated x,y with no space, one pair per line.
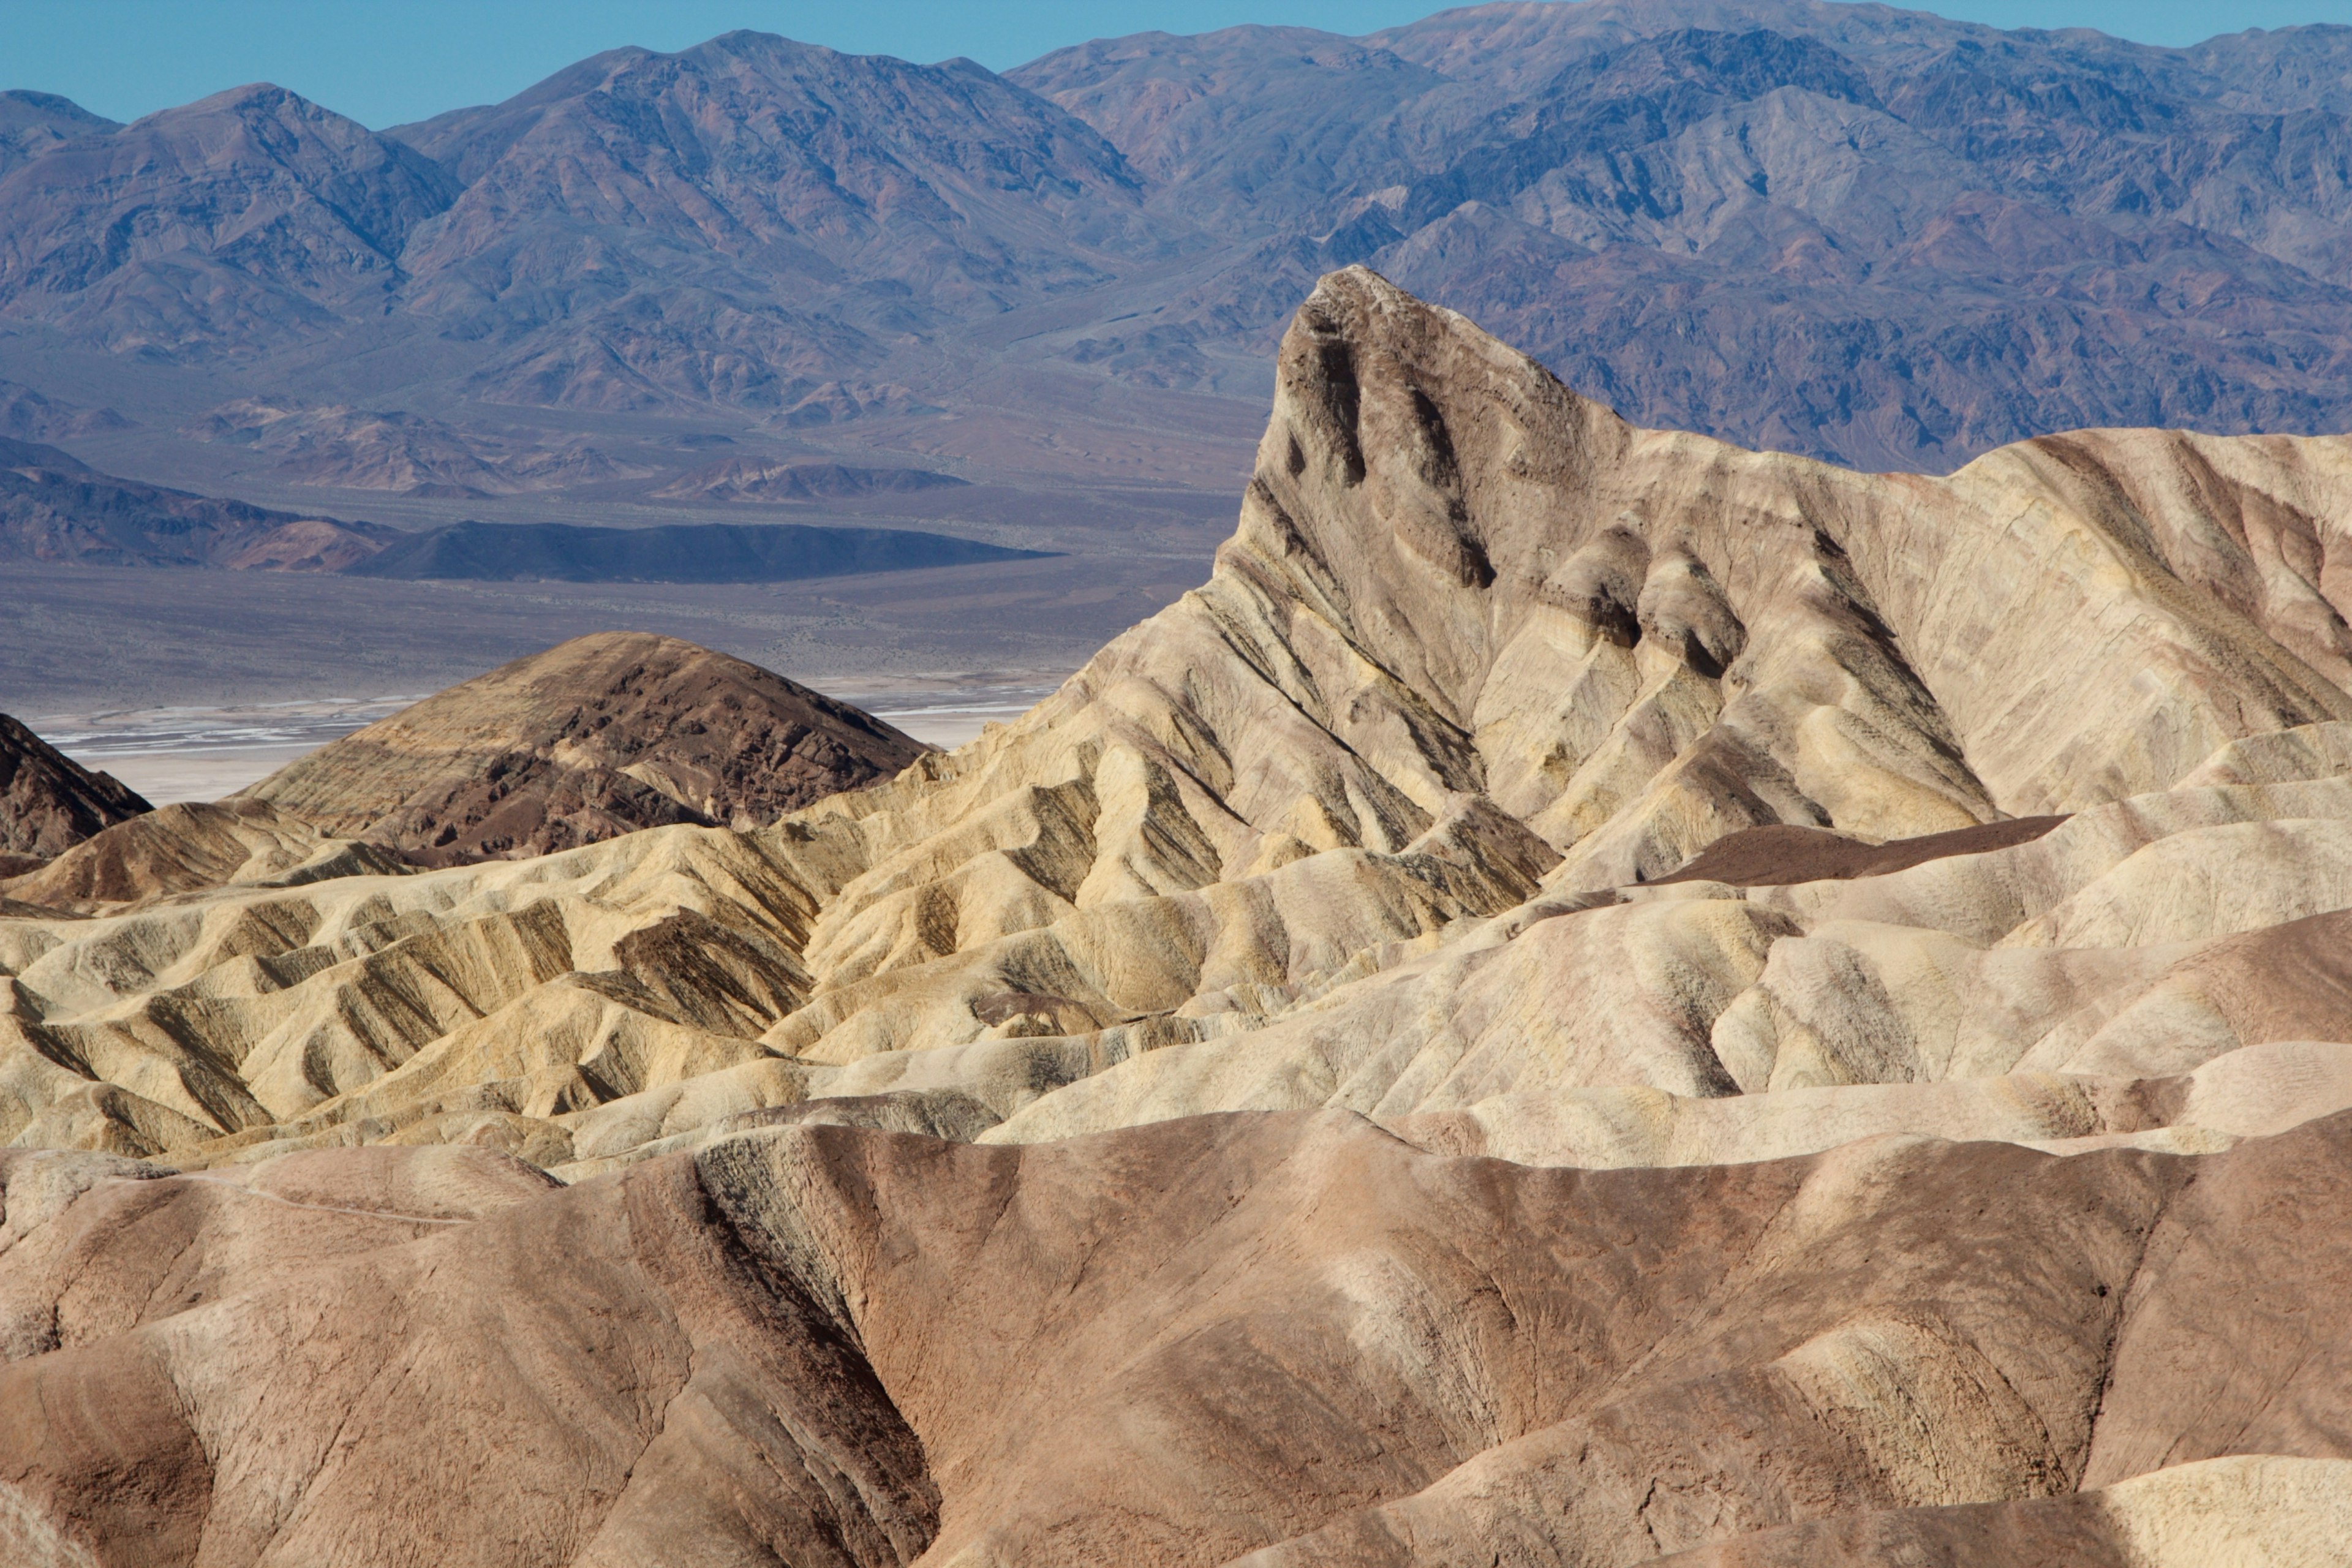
1365,360
255,98
1399,421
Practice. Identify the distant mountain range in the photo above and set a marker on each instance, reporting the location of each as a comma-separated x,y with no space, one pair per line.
1862,233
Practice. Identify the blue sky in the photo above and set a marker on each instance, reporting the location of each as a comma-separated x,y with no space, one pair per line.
385,63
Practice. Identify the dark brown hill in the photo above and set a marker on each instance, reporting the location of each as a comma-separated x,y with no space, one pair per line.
48,802
600,736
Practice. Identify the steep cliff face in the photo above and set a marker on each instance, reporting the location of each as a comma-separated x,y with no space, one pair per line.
1639,997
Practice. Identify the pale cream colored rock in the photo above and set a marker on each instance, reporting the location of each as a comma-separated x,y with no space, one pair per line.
2248,1507
191,846
243,1008
1364,821
2251,1092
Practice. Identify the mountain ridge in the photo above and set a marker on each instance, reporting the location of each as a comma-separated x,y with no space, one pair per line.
1870,236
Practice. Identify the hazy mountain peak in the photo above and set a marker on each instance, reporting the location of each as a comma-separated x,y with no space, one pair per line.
33,123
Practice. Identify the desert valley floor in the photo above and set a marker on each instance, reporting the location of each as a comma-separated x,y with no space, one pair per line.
1591,997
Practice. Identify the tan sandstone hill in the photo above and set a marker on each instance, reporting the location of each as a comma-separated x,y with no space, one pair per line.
1589,995
191,847
605,734
48,802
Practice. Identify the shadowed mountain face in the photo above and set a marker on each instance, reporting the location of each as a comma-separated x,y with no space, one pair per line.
1864,234
54,507
751,167
674,552
48,802
712,224
222,225
1589,995
33,123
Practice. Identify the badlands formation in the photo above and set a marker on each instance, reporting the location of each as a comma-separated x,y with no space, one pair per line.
1593,997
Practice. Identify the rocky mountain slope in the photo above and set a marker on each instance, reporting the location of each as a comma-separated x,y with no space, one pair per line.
227,223
839,1346
1867,234
1639,997
604,735
54,507
1926,238
48,802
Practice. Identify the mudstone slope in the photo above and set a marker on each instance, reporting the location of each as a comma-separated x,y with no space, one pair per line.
1589,995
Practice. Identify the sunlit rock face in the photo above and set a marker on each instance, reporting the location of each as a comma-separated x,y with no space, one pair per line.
1589,995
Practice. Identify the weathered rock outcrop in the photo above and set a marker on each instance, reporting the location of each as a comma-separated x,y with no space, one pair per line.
605,734
1636,997
1399,813
48,802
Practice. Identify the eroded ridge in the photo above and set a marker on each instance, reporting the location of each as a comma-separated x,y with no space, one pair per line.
1590,994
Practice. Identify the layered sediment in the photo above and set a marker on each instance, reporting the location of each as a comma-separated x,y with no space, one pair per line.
1590,996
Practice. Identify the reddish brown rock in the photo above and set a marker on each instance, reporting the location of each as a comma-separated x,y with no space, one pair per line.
598,737
1281,1335
1784,853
